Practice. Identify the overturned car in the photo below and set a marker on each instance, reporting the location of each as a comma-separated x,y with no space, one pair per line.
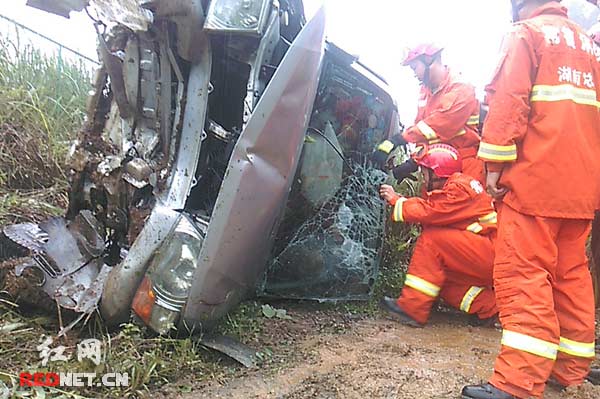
225,153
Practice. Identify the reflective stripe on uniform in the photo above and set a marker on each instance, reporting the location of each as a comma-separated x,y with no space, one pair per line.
492,152
490,218
397,216
529,344
467,301
578,349
427,131
473,120
422,286
564,92
461,133
387,146
475,228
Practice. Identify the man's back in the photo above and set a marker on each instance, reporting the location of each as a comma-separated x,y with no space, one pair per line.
461,204
544,114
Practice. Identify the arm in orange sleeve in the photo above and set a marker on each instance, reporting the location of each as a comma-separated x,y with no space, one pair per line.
449,119
441,208
508,95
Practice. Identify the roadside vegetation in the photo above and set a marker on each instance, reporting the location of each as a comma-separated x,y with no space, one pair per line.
42,102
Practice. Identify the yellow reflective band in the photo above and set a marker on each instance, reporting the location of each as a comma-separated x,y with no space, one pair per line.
529,344
427,131
475,228
421,285
473,120
461,133
387,146
564,92
397,216
491,218
578,349
469,297
491,152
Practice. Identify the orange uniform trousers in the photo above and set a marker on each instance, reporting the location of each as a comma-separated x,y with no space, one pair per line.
546,302
453,264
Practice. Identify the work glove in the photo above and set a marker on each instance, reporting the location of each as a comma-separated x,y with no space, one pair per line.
383,150
405,170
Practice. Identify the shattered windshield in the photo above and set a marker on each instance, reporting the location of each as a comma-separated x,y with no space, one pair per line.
334,254
328,245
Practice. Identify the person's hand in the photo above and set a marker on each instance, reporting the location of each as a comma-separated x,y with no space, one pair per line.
491,183
383,150
388,194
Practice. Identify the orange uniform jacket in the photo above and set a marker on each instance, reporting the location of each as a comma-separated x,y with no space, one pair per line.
449,115
461,204
543,105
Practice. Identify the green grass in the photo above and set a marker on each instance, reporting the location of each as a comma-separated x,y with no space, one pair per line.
150,361
42,107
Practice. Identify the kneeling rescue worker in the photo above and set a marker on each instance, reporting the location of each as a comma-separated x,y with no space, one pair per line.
448,113
541,142
453,256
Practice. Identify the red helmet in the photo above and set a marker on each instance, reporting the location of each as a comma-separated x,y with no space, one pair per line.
443,159
422,50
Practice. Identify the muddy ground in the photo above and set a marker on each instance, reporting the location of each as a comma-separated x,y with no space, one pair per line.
332,355
323,351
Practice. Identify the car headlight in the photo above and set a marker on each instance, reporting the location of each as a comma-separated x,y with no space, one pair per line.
237,16
166,286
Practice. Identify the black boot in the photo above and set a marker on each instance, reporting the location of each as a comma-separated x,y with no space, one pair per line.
484,391
490,322
396,311
594,376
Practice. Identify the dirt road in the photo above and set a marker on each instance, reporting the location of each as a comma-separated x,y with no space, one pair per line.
372,358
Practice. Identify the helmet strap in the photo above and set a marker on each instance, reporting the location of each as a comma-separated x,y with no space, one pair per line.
428,62
433,179
427,77
430,178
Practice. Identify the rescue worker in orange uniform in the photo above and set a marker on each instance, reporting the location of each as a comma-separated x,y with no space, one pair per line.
453,256
448,113
541,143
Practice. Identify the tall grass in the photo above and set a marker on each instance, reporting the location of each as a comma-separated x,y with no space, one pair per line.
42,107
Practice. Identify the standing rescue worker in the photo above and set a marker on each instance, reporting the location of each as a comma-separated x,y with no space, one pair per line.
448,112
453,256
541,144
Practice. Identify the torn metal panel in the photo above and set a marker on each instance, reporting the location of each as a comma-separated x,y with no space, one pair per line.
233,348
58,7
68,255
240,234
128,13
